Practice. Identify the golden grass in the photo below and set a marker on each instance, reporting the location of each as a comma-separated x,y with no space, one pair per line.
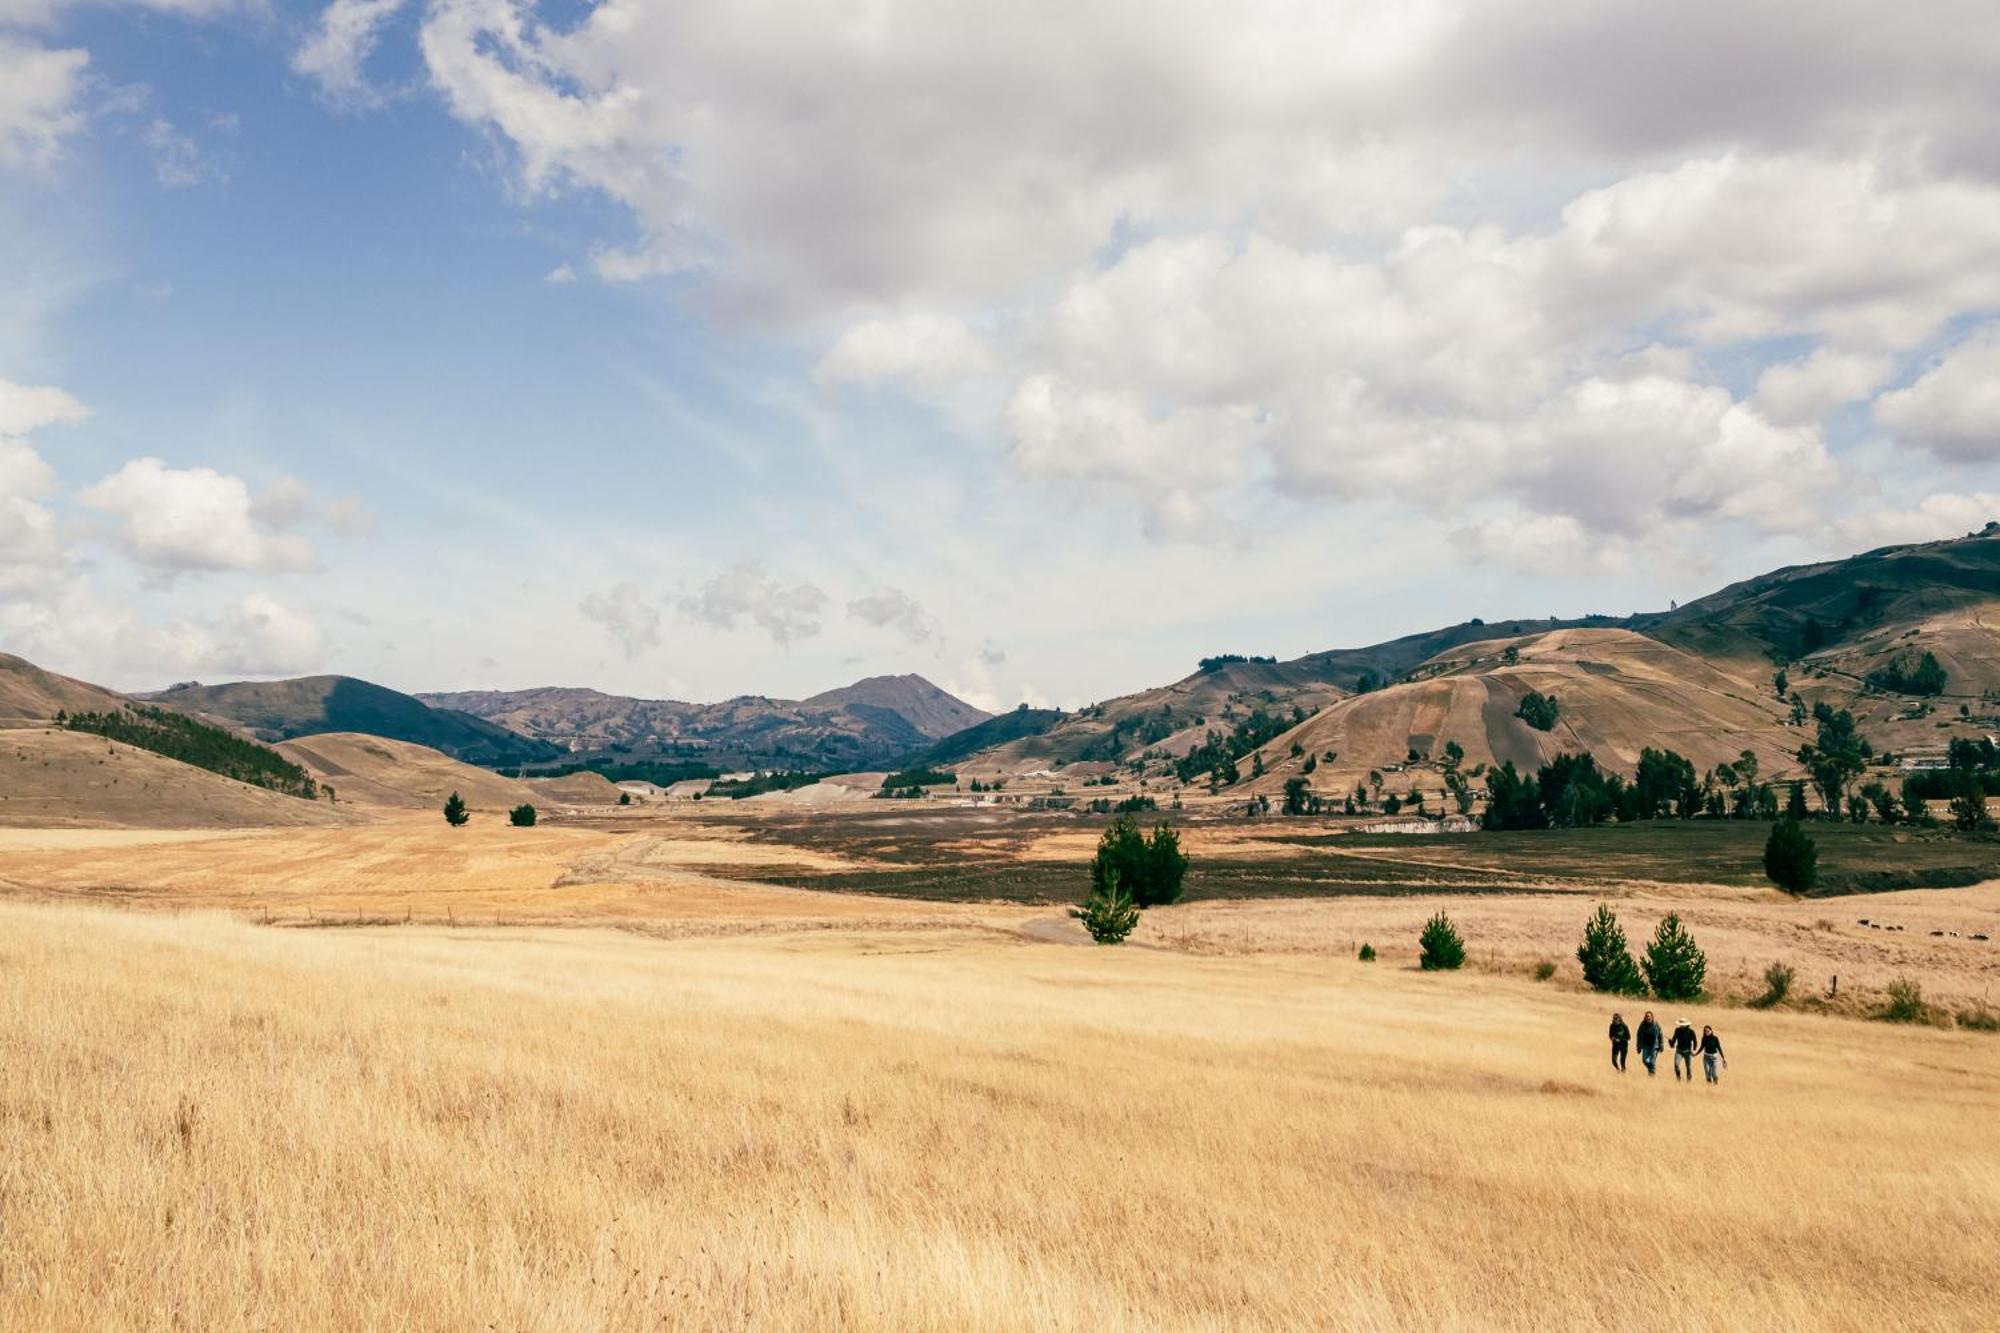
211,1125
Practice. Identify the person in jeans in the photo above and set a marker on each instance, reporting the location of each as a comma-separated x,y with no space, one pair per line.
1684,1043
1620,1035
1649,1043
1711,1055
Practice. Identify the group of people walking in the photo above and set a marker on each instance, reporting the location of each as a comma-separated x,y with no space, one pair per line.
1684,1044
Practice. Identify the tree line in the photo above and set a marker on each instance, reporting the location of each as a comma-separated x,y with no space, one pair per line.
178,736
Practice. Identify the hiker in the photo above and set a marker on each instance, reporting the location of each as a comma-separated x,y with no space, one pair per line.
1620,1034
1684,1043
1649,1043
1711,1055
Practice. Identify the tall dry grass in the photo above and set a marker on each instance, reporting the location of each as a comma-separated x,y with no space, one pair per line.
209,1125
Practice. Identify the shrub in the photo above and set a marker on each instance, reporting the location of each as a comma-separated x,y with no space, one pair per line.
1605,957
455,813
1979,1020
1907,1003
1777,985
1539,711
1675,968
1108,912
1968,806
1791,859
1544,970
1443,949
1367,954
522,816
624,798
1151,869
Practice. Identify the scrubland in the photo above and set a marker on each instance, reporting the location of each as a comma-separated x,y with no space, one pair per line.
210,1124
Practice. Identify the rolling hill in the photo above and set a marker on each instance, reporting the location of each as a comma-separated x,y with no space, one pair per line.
863,725
279,710
1698,679
30,696
70,779
377,772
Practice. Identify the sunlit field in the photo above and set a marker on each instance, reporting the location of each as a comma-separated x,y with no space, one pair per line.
210,1124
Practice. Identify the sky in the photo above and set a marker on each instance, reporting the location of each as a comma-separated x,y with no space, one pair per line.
720,347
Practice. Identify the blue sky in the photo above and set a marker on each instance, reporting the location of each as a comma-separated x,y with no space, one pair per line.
704,349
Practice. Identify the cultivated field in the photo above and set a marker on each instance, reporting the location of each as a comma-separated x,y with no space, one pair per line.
210,1124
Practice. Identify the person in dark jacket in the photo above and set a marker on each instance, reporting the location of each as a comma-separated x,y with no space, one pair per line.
1650,1041
1711,1055
1684,1043
1620,1036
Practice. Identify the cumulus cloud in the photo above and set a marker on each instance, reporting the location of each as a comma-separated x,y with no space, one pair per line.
1804,391
27,408
1953,409
627,615
260,636
1945,514
748,593
334,55
915,349
30,552
38,92
177,520
893,609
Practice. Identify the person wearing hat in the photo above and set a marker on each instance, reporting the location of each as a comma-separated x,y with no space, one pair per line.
1684,1043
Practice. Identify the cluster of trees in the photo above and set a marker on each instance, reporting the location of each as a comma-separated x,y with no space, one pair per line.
1973,775
1900,676
659,772
1539,710
920,777
1210,665
1674,967
1134,729
759,783
1217,754
178,736
998,784
1130,872
1131,805
1571,791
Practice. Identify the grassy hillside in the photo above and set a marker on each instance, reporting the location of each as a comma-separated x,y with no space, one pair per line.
53,778
30,696
425,1128
180,737
310,705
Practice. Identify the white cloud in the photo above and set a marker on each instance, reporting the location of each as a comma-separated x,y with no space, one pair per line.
334,55
748,593
260,636
1953,409
627,615
1945,514
1804,391
894,609
178,161
26,408
916,349
38,91
175,520
30,551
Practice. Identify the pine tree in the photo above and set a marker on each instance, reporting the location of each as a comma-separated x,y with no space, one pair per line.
1443,950
1675,967
1607,961
455,812
1108,912
1790,857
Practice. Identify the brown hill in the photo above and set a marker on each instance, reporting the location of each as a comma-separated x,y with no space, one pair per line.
30,695
869,723
1619,692
373,772
68,779
277,710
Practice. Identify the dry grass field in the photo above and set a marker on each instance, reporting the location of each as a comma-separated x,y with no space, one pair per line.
212,1125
